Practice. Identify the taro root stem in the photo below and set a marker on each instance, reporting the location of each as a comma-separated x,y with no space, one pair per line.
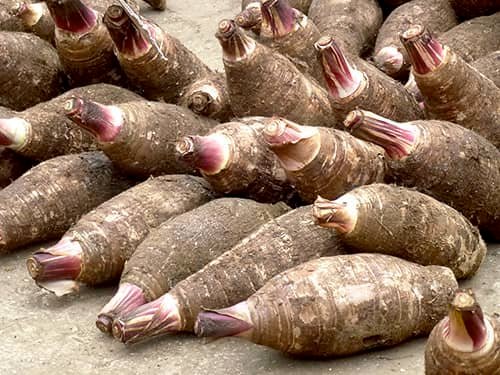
279,16
72,15
340,214
210,153
425,52
235,44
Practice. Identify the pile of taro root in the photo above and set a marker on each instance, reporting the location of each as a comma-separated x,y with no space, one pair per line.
321,196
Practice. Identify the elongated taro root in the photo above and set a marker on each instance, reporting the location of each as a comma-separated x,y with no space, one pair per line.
291,33
139,137
361,85
182,246
36,19
463,173
12,166
45,201
353,23
209,97
262,82
25,81
43,131
489,66
234,159
466,342
335,306
96,248
452,90
83,44
389,54
322,161
467,9
158,65
380,218
277,245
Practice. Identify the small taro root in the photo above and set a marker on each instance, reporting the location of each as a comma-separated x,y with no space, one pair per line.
380,218
94,250
262,82
464,174
322,161
466,342
303,311
24,80
452,90
281,243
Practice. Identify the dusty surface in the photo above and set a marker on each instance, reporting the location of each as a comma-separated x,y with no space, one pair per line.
41,334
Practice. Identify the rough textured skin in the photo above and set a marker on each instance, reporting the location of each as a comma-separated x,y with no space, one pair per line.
379,94
8,21
343,162
12,166
266,83
146,143
88,57
45,27
467,9
456,92
341,305
159,79
436,15
53,134
440,359
30,70
489,65
7,112
254,170
284,242
474,38
302,5
186,243
213,96
298,46
109,234
411,225
353,23
44,202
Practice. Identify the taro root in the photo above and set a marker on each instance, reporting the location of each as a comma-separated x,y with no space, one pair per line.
36,19
489,66
466,342
452,90
464,174
337,306
380,218
281,243
25,80
94,250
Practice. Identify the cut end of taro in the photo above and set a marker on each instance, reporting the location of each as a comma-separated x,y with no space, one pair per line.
295,145
210,154
199,102
467,330
14,132
127,36
236,45
157,318
389,60
398,139
250,17
56,268
424,51
29,14
72,15
341,78
103,121
232,321
278,17
128,298
340,214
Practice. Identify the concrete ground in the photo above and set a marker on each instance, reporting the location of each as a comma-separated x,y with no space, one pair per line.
41,334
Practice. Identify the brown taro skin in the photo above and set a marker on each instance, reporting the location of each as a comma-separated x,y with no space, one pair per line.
109,234
474,38
353,23
456,92
489,65
276,246
387,218
12,166
183,245
341,305
53,134
45,201
36,19
436,15
467,9
24,79
8,20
